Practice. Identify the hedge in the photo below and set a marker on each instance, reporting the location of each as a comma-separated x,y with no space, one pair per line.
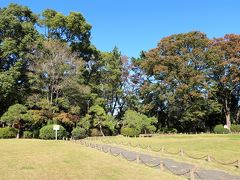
219,129
78,133
132,132
47,132
8,132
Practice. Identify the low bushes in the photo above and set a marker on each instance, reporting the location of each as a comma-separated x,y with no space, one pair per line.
78,133
8,132
219,129
47,132
235,128
95,132
131,132
27,134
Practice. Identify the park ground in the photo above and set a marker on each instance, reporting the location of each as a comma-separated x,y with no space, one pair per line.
41,159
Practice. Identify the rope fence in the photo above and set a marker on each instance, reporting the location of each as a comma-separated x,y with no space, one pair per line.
190,174
181,152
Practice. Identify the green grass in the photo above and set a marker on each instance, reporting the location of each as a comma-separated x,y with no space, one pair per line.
225,148
38,159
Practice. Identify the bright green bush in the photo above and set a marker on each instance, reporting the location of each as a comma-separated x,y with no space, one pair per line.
8,132
79,133
132,132
219,129
95,132
235,128
47,132
27,134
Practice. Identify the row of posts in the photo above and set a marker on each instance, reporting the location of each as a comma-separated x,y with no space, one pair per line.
138,160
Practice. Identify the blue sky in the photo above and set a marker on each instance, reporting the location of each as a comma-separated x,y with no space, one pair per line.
135,25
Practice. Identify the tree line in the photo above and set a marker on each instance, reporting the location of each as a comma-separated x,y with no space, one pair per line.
50,72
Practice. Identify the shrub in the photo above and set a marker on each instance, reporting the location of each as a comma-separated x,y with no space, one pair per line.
235,128
219,129
95,132
47,132
8,132
78,133
130,132
27,134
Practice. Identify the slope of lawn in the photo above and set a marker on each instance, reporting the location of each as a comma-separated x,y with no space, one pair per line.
38,159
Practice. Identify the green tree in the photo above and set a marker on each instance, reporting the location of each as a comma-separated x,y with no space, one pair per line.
18,39
16,115
141,122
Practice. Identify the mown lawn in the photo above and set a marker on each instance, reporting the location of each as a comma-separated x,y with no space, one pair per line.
225,148
38,159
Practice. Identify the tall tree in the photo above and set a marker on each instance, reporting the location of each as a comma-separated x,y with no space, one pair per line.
225,56
18,39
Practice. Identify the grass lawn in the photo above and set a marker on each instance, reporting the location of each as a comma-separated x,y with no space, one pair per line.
224,148
38,159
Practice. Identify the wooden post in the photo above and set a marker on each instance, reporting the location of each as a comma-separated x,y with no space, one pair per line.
208,158
192,176
109,150
161,165
181,152
162,149
138,159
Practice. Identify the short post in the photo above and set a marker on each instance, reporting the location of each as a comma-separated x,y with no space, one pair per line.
181,152
109,150
138,159
208,158
238,164
101,148
161,165
162,149
192,176
148,147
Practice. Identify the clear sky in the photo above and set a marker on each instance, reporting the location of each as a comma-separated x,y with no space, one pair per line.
135,25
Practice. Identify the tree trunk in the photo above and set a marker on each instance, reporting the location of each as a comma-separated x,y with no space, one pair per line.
18,133
237,116
100,127
227,113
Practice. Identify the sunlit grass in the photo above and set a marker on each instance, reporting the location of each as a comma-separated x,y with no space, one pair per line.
37,159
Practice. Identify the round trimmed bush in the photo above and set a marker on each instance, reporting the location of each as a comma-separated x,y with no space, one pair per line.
8,132
47,132
79,133
95,132
132,132
219,129
27,134
235,128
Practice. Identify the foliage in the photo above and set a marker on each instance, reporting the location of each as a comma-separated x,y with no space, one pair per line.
219,129
235,128
95,132
131,132
27,134
138,121
47,132
79,133
8,132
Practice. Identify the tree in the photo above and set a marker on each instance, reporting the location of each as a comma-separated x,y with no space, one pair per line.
133,119
177,79
16,115
97,118
226,73
19,39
